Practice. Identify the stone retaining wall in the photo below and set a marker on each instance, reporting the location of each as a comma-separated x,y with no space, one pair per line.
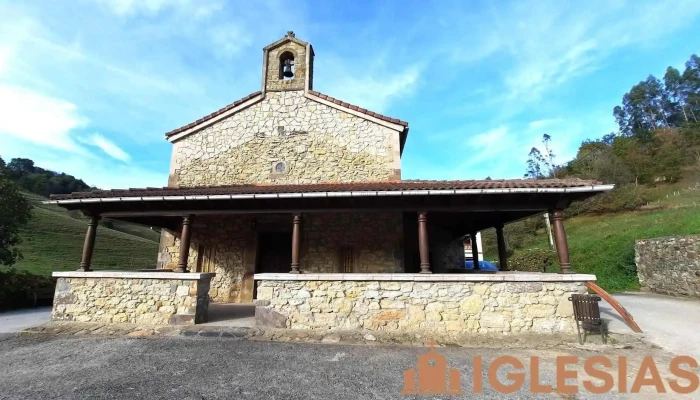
440,307
669,265
132,300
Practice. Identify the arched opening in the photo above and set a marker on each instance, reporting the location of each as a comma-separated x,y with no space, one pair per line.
287,65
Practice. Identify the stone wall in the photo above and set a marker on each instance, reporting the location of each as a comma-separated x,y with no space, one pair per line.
373,238
131,300
315,143
669,265
224,238
441,307
230,242
272,81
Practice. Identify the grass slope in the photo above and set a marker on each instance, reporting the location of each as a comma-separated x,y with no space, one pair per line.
53,241
604,245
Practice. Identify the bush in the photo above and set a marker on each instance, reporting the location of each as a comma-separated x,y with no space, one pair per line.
622,198
532,260
15,285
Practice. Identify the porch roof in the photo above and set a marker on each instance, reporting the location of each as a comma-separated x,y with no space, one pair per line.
479,203
350,189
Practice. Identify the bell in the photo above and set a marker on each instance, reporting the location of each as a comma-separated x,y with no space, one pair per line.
288,70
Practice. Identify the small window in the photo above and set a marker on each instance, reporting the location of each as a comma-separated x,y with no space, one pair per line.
347,260
279,167
287,65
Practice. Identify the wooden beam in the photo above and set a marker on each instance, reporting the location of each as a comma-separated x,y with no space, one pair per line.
241,211
475,250
423,247
89,244
296,243
185,238
561,243
502,255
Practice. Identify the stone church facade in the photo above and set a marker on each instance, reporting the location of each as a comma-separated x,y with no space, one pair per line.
295,199
287,133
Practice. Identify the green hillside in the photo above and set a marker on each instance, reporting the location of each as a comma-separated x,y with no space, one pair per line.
53,241
604,244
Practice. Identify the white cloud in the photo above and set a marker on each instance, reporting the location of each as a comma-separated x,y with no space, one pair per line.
107,146
127,7
37,118
490,140
5,54
229,38
486,146
544,44
542,123
95,170
373,88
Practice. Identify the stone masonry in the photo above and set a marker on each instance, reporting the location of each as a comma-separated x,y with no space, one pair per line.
374,239
140,301
272,79
440,307
670,265
314,142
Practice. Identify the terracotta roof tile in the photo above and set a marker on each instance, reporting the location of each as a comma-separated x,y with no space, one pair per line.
406,185
212,115
356,108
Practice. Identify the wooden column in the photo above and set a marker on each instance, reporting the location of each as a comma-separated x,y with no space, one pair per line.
296,243
423,247
475,251
89,244
560,240
502,256
185,236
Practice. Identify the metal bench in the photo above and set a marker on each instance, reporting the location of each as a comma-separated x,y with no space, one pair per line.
587,313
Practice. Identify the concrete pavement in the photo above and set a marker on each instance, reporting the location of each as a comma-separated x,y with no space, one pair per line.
81,367
15,321
669,322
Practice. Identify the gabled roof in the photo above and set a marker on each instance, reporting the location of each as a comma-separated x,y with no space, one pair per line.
212,115
313,95
359,109
289,37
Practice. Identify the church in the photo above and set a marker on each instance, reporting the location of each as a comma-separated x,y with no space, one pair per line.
288,183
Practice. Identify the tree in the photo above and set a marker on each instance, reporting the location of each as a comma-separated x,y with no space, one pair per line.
29,177
15,212
691,87
540,164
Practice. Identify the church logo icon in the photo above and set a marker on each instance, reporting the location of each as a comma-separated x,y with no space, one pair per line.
431,376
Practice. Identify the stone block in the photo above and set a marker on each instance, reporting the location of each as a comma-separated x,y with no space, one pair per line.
565,308
267,317
390,315
180,319
471,305
540,310
524,287
492,320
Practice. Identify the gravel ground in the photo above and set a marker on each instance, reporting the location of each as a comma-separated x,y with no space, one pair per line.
47,366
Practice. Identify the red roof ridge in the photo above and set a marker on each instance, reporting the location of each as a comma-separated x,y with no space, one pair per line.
358,109
214,114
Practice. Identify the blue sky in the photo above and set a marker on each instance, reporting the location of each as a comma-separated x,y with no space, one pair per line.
89,87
